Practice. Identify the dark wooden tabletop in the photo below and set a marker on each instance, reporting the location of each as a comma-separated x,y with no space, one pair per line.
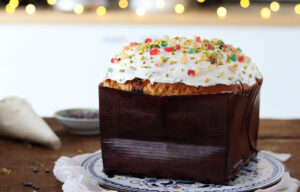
282,136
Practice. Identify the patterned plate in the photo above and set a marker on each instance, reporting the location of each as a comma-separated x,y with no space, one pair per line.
261,171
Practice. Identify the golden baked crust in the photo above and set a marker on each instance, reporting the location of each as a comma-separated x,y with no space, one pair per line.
169,89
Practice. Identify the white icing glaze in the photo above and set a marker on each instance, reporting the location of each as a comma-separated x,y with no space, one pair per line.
135,61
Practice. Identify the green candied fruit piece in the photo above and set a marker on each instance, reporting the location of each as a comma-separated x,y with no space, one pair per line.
191,50
110,70
233,57
164,44
240,50
220,43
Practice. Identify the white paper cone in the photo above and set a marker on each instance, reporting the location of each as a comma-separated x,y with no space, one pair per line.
18,120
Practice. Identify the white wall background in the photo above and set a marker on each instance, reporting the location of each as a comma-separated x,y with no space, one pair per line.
60,66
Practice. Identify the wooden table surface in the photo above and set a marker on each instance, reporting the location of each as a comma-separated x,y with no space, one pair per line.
282,136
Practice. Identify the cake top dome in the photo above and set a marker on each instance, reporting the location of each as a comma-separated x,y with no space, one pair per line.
195,62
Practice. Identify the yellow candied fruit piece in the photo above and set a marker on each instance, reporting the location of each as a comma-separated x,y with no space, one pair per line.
121,70
206,80
172,69
184,59
230,78
250,75
181,69
197,71
211,67
233,68
166,75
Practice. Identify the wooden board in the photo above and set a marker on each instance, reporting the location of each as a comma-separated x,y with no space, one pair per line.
282,136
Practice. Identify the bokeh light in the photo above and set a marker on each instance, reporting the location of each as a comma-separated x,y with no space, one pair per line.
30,9
179,8
201,1
222,12
14,3
275,6
78,9
245,3
140,11
9,9
101,11
51,2
123,4
297,9
160,4
265,13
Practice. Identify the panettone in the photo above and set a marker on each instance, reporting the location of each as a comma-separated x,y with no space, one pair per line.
179,108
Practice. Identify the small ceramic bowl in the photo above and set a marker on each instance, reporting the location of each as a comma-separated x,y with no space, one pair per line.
82,121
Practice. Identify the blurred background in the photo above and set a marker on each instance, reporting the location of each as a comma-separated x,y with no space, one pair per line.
54,53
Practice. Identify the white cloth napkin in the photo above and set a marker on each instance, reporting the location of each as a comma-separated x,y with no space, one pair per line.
287,183
18,120
76,179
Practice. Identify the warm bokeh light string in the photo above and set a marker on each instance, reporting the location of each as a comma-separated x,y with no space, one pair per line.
297,9
221,12
160,4
9,9
140,11
51,2
101,10
123,4
245,3
30,9
78,9
275,6
179,8
265,13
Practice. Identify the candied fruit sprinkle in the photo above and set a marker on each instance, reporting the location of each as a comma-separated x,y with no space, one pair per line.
191,73
210,67
148,40
169,53
168,49
197,71
198,39
164,44
154,51
177,47
184,59
233,57
110,70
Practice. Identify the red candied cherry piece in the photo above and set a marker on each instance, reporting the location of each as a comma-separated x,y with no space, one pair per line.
177,47
113,60
209,47
198,39
154,51
191,73
168,49
132,44
148,40
241,58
